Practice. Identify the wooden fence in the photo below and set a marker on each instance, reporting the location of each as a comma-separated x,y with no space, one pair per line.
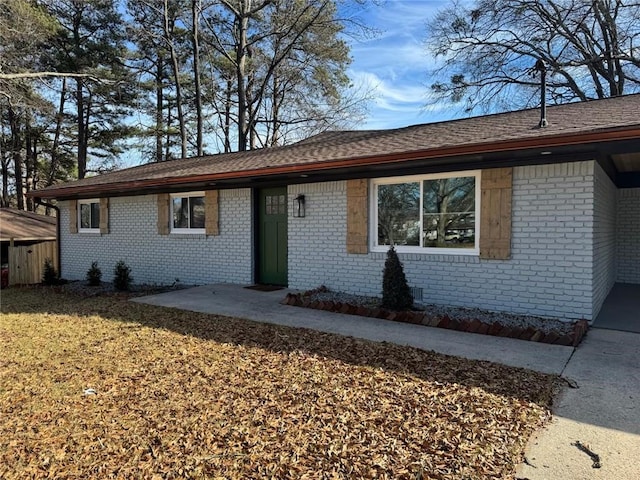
26,263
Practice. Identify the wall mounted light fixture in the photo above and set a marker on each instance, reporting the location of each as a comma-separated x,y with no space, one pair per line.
298,206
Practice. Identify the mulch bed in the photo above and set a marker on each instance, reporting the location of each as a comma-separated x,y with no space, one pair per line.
82,288
471,325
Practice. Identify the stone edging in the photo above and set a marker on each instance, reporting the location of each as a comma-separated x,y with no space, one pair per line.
443,321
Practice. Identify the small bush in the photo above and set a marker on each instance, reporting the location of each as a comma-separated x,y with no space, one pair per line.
396,294
49,275
94,275
122,276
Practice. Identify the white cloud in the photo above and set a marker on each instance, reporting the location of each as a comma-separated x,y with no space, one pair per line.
394,65
389,91
397,103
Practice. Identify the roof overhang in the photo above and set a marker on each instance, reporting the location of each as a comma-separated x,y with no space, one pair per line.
604,146
26,239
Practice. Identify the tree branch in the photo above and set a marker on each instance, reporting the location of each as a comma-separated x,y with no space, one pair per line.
19,76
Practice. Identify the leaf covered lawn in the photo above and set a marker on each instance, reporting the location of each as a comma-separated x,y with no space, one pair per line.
187,395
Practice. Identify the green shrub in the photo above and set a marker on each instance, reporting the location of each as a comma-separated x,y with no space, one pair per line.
122,276
94,274
49,274
396,294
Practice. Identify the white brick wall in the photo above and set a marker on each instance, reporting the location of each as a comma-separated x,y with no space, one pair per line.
628,234
133,237
549,274
604,237
562,261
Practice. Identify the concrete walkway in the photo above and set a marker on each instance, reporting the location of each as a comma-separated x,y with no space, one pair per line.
235,301
603,413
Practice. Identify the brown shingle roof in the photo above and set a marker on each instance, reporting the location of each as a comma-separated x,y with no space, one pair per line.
567,123
21,225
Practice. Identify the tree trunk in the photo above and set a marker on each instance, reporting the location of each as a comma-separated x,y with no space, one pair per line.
159,107
275,110
4,165
29,162
16,146
241,57
195,17
227,116
53,167
443,208
82,134
609,31
168,32
167,144
5,179
82,146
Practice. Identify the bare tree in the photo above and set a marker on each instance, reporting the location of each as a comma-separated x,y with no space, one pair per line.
288,63
237,48
487,48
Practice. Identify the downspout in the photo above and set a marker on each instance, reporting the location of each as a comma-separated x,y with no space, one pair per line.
58,248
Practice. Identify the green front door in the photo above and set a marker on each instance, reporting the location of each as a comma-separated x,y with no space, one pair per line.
272,236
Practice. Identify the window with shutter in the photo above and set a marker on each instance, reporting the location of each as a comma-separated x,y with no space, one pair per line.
187,213
88,215
436,213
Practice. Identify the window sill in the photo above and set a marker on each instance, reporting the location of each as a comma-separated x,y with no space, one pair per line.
186,235
466,252
441,258
188,231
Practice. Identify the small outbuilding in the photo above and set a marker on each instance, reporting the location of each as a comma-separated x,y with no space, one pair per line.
26,240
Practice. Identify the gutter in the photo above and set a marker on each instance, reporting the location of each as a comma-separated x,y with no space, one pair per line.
26,239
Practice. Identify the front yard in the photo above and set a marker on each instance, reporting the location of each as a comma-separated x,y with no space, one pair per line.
105,388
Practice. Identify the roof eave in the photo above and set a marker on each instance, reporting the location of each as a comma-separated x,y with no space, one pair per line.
144,186
27,239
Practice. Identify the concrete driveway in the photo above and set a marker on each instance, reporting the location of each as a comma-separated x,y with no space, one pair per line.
602,414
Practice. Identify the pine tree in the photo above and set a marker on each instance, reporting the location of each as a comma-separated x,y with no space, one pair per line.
122,276
94,275
91,40
396,294
49,274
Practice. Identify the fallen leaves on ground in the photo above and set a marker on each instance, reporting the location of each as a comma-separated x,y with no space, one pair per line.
105,388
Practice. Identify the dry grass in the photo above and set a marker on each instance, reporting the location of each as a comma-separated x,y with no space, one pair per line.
186,395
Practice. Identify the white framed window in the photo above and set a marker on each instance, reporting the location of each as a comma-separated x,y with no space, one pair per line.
437,213
89,215
187,213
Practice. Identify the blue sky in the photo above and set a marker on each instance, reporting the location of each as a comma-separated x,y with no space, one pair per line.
394,64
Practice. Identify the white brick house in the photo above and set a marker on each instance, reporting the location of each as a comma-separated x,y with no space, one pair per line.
491,212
